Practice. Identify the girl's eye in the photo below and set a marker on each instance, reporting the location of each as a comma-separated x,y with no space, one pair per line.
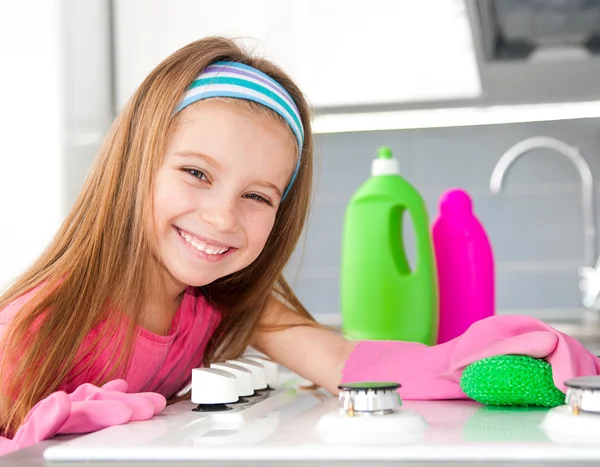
196,174
258,198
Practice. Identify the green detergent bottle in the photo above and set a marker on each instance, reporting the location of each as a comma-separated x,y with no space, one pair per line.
381,297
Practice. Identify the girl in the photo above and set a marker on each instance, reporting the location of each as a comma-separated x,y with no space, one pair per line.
172,255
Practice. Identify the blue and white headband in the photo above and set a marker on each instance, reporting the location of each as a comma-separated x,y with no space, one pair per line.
232,79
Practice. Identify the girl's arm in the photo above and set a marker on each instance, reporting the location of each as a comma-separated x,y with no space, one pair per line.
315,353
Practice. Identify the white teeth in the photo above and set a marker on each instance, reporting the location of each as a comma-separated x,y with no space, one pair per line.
201,246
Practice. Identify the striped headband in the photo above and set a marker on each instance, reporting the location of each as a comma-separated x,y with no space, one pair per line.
232,79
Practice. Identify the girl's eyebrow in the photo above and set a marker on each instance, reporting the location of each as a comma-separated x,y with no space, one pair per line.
198,155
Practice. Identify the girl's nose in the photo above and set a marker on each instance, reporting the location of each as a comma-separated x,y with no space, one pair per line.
220,213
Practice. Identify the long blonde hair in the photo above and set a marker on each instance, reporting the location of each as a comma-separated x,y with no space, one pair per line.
92,272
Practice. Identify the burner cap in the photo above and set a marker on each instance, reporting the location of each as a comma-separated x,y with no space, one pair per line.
589,383
369,386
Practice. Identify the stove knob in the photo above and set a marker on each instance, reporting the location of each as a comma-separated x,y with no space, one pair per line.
243,376
271,367
259,379
213,386
369,398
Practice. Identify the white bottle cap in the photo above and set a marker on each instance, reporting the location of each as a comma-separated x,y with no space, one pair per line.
384,164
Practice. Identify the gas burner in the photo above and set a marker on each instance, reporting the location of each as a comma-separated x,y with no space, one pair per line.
578,421
369,414
583,394
369,398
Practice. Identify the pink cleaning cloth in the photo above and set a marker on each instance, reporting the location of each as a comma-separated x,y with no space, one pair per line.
433,372
88,408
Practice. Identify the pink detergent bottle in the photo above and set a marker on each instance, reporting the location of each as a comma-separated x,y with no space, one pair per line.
465,266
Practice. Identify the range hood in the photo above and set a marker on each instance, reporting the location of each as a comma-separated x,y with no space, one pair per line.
538,60
537,50
540,29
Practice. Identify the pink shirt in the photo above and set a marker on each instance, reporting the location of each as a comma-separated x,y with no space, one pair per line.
160,364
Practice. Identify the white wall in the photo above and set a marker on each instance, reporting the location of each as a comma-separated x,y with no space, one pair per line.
31,131
56,101
340,52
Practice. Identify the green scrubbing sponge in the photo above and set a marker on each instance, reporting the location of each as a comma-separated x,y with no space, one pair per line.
511,380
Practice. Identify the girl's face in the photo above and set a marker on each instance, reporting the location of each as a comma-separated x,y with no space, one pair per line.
218,189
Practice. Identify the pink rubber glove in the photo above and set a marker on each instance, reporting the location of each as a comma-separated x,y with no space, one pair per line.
433,372
89,408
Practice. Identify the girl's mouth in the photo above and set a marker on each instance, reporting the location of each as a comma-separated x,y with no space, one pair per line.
211,251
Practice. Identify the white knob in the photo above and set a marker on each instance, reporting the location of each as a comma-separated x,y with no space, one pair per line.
271,368
213,386
259,378
242,375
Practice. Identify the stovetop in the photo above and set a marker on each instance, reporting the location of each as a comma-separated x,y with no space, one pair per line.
291,423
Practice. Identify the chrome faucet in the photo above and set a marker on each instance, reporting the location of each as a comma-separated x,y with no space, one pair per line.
590,272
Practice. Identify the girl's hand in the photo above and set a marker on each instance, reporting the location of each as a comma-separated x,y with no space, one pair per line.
89,408
434,372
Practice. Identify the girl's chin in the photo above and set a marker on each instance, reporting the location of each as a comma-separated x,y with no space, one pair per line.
193,279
